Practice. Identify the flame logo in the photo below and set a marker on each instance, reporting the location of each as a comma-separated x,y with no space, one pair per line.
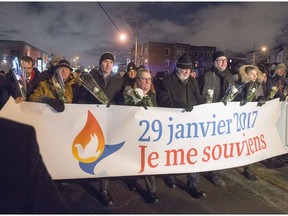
86,147
89,146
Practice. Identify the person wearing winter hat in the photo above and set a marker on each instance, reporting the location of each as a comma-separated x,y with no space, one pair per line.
179,90
112,86
130,76
105,57
47,74
213,85
277,81
193,73
57,90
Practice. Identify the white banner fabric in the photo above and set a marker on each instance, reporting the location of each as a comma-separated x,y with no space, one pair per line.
88,141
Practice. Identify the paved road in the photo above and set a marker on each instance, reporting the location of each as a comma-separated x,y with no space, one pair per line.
268,195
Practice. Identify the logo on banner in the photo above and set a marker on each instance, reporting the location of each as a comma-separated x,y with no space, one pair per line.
89,146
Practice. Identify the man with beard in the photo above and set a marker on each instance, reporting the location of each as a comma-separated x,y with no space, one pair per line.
213,85
180,90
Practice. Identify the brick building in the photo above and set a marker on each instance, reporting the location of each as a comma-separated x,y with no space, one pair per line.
10,48
163,56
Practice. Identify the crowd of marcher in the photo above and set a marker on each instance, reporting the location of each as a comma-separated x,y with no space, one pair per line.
181,88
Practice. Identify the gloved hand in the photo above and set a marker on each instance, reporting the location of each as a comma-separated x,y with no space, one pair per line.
282,97
243,101
224,102
188,107
56,104
108,104
261,101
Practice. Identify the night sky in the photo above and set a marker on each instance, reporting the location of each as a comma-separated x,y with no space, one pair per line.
83,29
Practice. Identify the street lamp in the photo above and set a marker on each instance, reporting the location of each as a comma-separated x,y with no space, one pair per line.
134,36
123,37
254,53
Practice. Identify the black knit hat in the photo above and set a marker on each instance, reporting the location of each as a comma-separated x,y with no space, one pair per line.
106,55
217,55
131,66
184,62
64,63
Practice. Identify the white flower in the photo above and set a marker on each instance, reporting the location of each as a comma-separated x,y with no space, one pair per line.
140,92
210,92
234,90
95,90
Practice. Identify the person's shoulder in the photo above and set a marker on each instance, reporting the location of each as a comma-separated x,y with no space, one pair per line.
36,70
11,125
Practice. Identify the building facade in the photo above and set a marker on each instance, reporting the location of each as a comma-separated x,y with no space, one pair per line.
163,56
9,49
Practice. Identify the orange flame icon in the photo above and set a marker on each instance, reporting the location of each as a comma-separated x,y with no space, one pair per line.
89,144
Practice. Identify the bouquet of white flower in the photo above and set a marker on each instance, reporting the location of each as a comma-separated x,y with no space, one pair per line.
135,97
272,92
59,87
20,77
91,85
251,91
232,92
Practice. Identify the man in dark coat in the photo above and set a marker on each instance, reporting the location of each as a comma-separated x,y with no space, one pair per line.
213,85
4,95
180,90
25,184
112,86
32,79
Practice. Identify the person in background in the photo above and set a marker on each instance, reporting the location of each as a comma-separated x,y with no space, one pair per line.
59,89
112,86
144,82
130,76
213,85
26,185
180,90
158,79
77,73
121,73
51,65
193,73
278,80
32,79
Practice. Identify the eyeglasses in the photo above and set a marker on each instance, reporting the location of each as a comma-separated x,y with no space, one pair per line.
221,60
145,79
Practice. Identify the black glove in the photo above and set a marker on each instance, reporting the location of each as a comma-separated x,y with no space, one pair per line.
243,101
188,107
224,102
56,104
108,104
261,100
282,97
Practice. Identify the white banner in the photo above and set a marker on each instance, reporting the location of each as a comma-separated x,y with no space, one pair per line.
88,141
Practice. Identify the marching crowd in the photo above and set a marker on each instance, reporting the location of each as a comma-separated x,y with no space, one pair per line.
179,89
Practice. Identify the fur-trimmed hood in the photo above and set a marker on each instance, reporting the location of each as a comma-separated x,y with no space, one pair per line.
244,76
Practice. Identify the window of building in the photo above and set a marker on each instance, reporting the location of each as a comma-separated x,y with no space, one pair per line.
180,52
146,51
196,54
167,62
167,51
